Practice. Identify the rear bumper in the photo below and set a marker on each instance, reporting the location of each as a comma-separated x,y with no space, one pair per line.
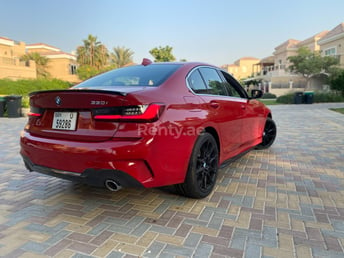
94,177
90,162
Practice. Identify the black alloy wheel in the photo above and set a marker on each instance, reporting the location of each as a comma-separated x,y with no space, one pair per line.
203,166
269,134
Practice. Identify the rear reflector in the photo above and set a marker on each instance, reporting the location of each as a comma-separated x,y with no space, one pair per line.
142,113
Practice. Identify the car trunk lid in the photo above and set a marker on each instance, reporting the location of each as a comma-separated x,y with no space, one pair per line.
69,114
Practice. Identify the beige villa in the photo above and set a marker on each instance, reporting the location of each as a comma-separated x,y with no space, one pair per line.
242,68
10,65
273,73
332,44
61,65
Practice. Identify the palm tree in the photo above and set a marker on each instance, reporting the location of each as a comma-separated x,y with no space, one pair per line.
101,56
82,56
41,63
92,53
121,56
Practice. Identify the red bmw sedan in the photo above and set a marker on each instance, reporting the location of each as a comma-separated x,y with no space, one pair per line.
149,125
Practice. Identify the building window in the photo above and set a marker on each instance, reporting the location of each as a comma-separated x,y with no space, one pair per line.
72,69
330,52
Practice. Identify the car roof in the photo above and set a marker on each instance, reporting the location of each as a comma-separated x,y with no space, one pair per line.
183,63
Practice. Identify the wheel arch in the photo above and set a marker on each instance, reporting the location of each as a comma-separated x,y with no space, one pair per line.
214,133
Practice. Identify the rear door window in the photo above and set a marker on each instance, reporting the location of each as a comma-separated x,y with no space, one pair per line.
213,81
196,83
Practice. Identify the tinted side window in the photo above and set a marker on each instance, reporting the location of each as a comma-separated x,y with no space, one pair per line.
233,87
213,81
231,90
196,83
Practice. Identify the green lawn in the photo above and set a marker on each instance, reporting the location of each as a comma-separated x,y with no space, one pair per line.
339,110
269,101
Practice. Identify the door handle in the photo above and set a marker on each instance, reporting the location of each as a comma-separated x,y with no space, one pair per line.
214,104
243,106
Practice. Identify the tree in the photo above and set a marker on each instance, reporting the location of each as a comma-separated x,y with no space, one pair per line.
41,63
309,63
92,56
337,81
87,71
92,53
162,54
121,56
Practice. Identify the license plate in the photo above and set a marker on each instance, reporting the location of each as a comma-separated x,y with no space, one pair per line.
65,120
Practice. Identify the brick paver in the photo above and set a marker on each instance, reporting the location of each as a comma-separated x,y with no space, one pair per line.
287,201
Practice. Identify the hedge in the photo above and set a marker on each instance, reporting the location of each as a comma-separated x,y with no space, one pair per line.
319,97
268,95
24,87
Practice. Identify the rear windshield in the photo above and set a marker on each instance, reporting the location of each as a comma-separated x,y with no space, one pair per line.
151,75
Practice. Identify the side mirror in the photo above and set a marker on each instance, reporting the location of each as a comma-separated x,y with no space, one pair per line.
256,94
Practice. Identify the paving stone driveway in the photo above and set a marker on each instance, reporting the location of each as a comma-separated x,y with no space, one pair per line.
287,201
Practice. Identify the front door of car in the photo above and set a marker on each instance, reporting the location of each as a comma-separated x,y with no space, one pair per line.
223,110
252,114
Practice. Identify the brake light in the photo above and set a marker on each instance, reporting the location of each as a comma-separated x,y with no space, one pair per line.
141,113
35,112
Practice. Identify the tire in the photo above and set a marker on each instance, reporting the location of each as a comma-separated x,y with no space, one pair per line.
202,170
269,134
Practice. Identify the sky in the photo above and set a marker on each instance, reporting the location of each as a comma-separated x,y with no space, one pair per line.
214,31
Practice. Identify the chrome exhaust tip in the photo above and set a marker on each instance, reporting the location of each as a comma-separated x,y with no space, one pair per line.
112,185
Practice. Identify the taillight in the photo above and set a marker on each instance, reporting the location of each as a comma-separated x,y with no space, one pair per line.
35,112
140,113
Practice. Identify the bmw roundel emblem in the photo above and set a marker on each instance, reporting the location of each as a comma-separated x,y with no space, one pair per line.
58,100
